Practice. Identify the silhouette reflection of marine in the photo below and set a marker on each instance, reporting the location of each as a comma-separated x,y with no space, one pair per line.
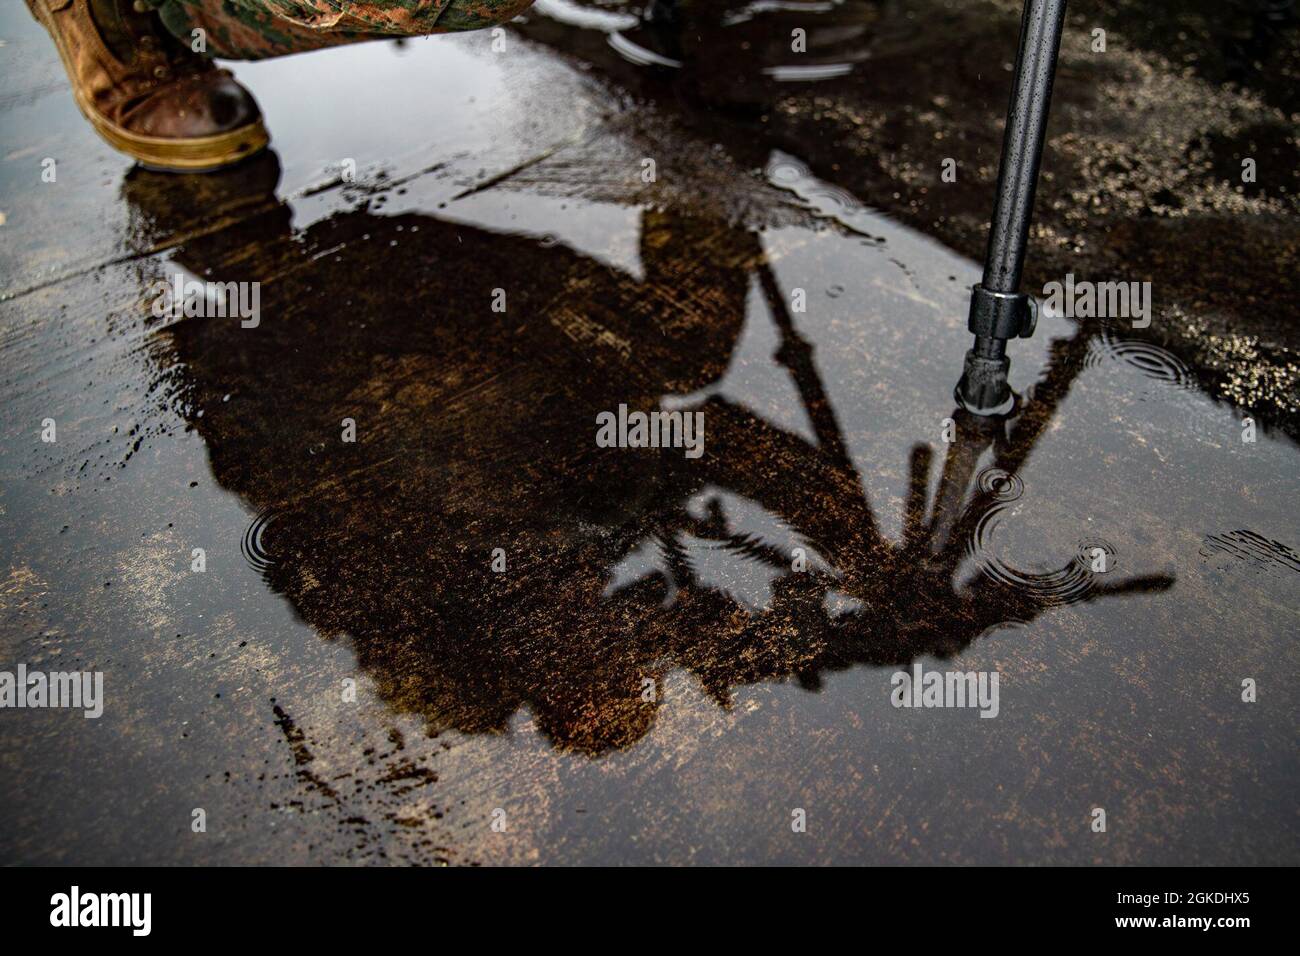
475,431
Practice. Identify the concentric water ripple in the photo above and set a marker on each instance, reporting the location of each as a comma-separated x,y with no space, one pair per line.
1067,585
1000,485
1096,555
1251,548
254,545
1150,360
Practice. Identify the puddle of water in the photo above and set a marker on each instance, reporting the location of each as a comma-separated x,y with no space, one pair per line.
686,647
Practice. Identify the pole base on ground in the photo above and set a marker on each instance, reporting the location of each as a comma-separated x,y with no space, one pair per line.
983,388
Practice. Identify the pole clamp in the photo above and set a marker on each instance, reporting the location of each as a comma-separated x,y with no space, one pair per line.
1002,315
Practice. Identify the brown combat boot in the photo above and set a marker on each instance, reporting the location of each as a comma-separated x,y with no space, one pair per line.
145,92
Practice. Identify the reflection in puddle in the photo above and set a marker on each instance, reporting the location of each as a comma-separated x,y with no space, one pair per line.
636,54
822,198
844,520
1066,585
743,564
761,561
787,41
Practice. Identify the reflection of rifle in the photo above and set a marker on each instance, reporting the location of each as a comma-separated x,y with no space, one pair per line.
913,582
795,354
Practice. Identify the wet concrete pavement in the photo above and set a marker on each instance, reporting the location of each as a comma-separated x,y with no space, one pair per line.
525,690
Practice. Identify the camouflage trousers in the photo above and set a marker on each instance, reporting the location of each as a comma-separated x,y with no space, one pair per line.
255,29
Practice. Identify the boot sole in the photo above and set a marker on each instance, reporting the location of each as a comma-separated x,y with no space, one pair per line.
193,155
197,155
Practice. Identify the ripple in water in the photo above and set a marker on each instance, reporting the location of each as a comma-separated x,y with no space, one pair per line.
1000,485
1253,549
1067,585
254,544
1149,359
1096,555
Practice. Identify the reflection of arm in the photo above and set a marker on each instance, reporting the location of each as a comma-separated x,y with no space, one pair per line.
791,479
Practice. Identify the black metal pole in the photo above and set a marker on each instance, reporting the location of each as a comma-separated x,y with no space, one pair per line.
998,310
